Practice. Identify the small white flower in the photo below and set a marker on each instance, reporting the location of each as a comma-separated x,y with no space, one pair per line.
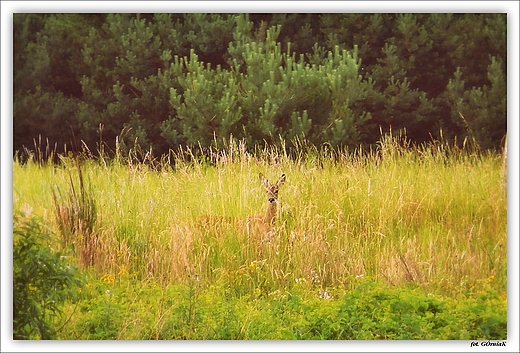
325,294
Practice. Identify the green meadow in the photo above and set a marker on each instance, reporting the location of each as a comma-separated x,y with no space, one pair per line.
398,242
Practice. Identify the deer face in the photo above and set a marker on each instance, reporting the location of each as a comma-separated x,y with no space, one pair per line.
272,189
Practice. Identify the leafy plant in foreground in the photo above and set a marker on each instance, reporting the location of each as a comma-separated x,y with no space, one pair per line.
42,281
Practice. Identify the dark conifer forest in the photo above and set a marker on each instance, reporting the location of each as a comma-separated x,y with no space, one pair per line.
162,81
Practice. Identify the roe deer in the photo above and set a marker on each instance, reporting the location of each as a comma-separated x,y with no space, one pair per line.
255,225
266,222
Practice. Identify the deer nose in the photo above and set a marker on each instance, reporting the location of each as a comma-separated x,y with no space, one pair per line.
271,199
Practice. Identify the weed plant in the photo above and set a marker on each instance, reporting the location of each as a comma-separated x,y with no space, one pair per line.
397,242
43,279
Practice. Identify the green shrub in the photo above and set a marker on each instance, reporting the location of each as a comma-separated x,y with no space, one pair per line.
43,280
368,311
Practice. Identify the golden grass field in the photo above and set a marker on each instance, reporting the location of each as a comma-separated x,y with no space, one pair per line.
430,216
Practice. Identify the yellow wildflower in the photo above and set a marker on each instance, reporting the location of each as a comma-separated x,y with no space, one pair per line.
123,271
108,278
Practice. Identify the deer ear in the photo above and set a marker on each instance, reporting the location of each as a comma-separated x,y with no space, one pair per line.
263,179
281,181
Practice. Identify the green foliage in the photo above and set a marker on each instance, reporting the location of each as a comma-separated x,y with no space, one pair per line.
43,279
160,81
375,312
103,313
270,94
368,311
482,109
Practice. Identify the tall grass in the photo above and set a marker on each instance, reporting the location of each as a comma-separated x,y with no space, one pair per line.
431,214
